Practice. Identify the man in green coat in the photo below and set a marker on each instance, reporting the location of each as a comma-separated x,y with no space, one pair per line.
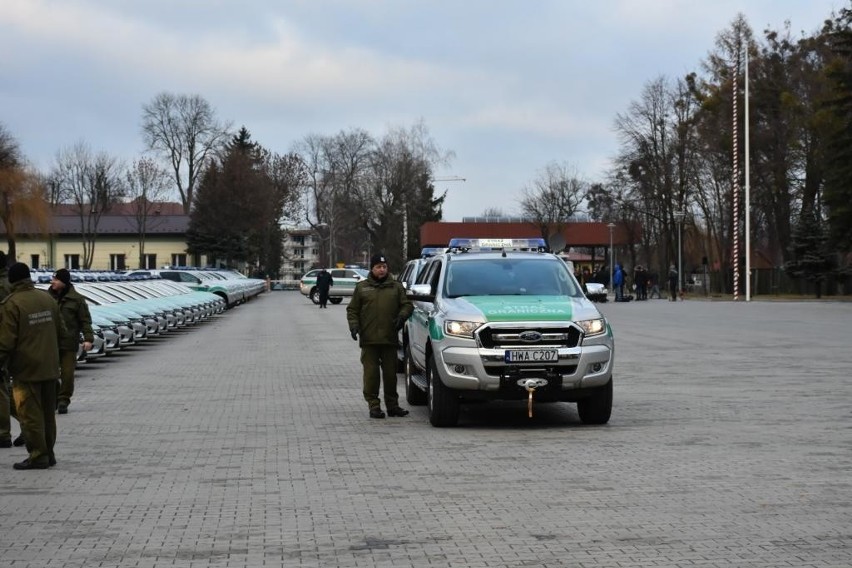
78,320
6,410
31,330
377,311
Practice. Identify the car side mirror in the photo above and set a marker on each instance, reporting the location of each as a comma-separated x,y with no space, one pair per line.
421,293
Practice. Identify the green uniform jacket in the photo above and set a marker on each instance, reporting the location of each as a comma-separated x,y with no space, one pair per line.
75,314
31,330
374,307
5,287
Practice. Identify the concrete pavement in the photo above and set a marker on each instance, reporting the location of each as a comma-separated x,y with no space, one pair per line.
246,443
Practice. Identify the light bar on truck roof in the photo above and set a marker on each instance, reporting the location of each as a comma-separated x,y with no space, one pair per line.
498,244
426,252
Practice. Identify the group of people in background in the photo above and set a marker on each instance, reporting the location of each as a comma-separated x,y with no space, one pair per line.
40,334
645,284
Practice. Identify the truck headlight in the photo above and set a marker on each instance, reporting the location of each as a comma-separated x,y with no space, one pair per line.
460,328
593,326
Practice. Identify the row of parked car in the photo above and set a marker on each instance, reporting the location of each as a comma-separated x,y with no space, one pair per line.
128,309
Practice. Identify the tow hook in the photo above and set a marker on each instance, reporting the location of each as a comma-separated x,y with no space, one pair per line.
531,385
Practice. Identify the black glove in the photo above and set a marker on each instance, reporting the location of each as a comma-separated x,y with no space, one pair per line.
354,333
399,322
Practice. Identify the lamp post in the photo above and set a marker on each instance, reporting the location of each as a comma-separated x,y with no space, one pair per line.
611,226
330,246
678,215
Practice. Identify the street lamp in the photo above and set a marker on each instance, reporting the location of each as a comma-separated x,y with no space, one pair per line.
330,244
678,215
611,226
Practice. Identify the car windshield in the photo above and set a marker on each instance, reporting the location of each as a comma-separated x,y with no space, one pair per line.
509,277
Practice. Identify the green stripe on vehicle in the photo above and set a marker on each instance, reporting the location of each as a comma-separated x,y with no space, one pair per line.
435,330
517,308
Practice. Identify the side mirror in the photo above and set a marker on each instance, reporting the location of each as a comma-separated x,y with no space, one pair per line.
420,293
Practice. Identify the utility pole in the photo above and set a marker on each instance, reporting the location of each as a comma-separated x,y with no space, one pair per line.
679,215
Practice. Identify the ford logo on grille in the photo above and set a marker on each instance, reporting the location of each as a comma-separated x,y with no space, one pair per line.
530,336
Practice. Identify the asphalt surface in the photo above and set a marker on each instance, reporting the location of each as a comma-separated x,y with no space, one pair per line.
246,442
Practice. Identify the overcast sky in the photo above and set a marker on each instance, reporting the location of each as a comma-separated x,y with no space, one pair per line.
507,85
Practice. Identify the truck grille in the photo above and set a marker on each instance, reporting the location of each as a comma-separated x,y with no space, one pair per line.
499,337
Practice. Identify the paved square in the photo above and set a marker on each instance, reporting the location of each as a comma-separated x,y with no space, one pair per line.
245,442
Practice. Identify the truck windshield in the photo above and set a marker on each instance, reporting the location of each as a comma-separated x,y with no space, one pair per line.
510,277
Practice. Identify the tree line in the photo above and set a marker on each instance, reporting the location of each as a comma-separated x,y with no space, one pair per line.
680,163
681,159
679,168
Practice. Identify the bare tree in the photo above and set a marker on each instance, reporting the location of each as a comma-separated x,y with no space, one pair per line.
146,185
553,198
93,182
21,193
493,213
398,195
336,168
184,130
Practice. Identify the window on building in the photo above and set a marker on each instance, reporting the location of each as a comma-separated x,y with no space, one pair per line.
117,262
149,261
179,260
72,261
34,261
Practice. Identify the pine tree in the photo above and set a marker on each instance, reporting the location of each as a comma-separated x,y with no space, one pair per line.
809,256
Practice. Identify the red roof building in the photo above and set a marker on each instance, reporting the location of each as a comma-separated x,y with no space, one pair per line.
588,234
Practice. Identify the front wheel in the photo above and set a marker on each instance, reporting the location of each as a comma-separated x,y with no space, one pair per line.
314,296
597,408
413,394
444,406
335,301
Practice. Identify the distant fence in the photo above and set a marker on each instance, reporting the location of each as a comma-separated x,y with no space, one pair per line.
767,282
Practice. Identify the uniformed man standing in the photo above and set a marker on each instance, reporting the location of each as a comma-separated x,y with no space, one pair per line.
31,330
6,410
78,320
377,311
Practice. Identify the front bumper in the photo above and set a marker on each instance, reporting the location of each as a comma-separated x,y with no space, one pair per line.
473,368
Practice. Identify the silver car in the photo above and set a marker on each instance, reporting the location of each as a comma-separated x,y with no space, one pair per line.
345,280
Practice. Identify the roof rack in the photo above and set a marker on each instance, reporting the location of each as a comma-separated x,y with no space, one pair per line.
535,244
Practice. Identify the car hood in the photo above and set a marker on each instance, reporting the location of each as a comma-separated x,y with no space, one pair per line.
520,308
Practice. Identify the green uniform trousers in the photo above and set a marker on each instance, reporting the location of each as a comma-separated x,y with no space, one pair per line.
7,408
379,362
67,366
36,404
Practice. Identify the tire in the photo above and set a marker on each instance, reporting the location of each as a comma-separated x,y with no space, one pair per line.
443,403
413,394
335,301
597,408
314,296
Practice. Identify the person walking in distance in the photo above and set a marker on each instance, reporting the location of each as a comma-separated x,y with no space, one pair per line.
78,320
324,284
377,311
618,283
672,283
31,331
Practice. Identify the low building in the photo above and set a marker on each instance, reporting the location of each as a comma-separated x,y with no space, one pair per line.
117,244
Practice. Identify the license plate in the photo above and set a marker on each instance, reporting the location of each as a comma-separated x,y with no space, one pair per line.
531,355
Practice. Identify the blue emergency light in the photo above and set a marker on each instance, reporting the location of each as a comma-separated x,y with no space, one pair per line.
498,244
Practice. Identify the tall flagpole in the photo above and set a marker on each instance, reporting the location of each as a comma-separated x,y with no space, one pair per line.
735,185
747,191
